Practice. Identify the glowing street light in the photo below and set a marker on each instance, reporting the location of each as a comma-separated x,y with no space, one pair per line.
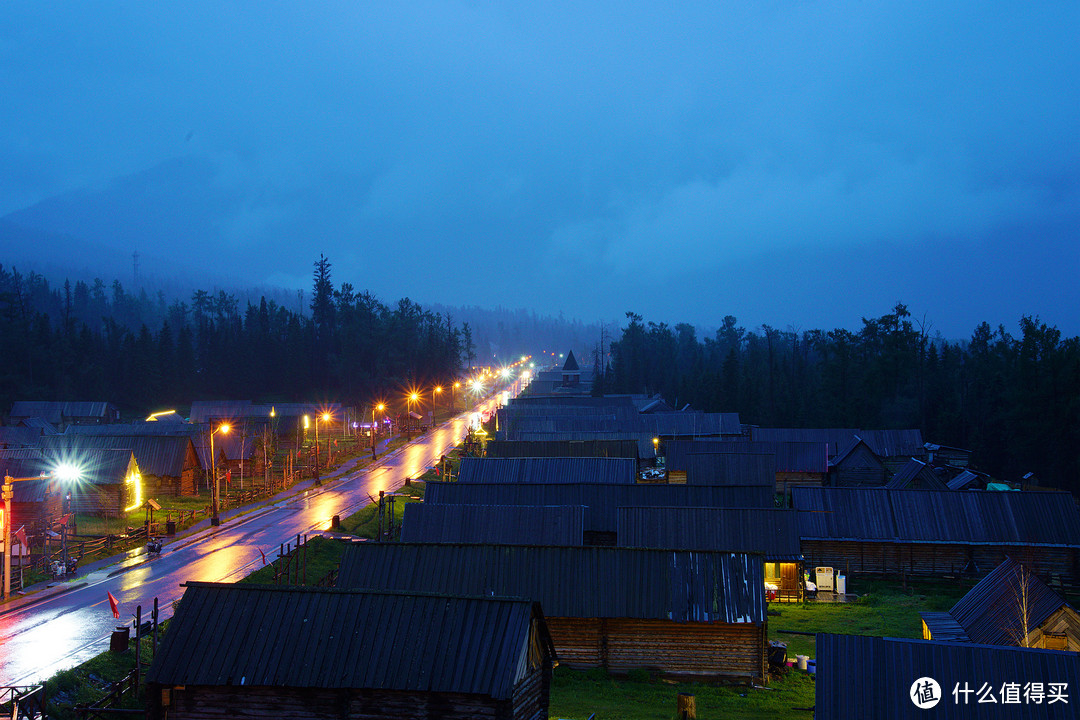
453,404
223,428
325,417
436,389
380,407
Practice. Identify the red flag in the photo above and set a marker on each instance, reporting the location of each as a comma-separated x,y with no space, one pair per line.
114,605
20,535
228,476
297,452
263,555
335,443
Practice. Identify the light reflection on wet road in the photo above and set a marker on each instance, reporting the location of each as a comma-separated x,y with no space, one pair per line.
40,639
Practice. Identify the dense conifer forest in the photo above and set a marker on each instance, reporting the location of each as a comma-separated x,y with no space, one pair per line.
1013,401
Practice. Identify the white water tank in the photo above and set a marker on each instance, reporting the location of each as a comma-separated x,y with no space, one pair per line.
841,584
824,578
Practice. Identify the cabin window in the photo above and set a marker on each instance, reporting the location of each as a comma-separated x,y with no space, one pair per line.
1055,641
772,571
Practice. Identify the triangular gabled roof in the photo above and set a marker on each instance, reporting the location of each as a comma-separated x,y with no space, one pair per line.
990,612
915,474
571,364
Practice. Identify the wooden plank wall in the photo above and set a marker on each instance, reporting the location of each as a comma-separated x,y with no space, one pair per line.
932,558
707,650
205,703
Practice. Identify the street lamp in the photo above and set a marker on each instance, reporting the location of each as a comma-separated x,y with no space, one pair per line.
413,398
453,404
223,428
436,389
325,417
380,407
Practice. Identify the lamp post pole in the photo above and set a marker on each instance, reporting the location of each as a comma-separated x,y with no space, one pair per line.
436,389
6,491
215,517
380,407
318,480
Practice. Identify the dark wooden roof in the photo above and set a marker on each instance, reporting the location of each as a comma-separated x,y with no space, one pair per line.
808,457
548,470
157,455
775,533
571,363
275,636
57,412
915,473
884,443
871,677
729,469
581,582
990,612
600,500
562,448
501,524
943,627
1005,518
674,424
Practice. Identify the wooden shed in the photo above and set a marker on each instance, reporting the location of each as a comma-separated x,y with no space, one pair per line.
686,613
292,652
1010,606
167,461
928,532
110,483
772,532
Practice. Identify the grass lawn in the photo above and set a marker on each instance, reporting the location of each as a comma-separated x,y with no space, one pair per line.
93,680
884,608
575,694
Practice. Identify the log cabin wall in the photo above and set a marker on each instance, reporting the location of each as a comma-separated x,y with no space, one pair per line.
219,702
933,558
693,649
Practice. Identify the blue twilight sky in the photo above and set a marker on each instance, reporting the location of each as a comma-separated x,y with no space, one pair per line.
799,164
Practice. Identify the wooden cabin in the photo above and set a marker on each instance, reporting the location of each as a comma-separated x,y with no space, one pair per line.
110,483
1010,606
860,676
916,475
856,465
275,651
685,613
772,532
927,532
167,459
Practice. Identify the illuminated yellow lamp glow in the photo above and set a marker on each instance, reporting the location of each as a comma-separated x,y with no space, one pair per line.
380,407
523,358
224,428
136,480
477,386
154,416
326,417
307,422
273,411
438,388
66,472
414,397
506,372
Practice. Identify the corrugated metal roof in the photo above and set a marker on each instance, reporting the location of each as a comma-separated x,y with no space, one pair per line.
157,455
775,533
562,448
134,429
1020,518
962,480
809,457
98,466
914,470
600,500
990,612
675,424
57,412
25,463
274,636
43,426
872,677
207,410
19,437
884,443
548,470
582,582
644,440
576,401
504,524
730,469
943,627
